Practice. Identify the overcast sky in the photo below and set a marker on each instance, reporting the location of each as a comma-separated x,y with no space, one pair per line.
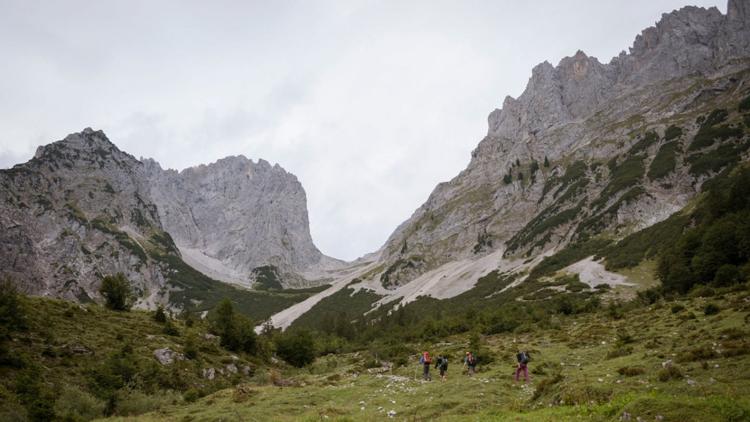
369,103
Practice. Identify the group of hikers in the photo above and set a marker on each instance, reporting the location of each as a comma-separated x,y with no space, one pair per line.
470,363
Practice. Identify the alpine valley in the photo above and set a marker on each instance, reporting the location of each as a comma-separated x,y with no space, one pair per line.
606,197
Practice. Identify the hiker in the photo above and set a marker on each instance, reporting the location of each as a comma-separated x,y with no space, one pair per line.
523,361
426,361
470,362
442,365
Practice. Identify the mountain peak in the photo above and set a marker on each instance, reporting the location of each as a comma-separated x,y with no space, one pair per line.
691,40
89,144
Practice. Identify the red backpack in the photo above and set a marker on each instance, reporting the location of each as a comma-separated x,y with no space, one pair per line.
426,358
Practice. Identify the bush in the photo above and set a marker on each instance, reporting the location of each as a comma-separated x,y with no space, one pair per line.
677,308
170,329
12,312
76,405
744,104
35,395
672,132
649,296
585,395
727,275
631,371
702,291
191,395
546,384
711,309
619,351
116,291
117,370
12,318
190,348
237,332
160,315
669,372
297,347
696,354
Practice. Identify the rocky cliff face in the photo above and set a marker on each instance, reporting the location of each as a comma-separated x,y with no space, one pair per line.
82,209
234,215
591,149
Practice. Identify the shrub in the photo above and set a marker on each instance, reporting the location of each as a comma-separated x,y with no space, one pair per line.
697,353
116,291
669,372
727,275
744,104
76,405
672,132
711,309
619,351
297,347
34,394
623,176
12,312
624,337
237,332
631,371
702,291
649,296
117,370
665,161
191,395
585,395
677,308
170,329
546,384
190,348
160,315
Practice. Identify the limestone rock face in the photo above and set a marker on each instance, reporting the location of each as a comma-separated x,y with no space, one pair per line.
235,215
692,61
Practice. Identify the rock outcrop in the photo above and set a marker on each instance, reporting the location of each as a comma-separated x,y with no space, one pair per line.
234,215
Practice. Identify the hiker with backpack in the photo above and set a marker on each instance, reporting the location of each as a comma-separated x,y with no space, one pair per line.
442,365
470,362
426,361
523,361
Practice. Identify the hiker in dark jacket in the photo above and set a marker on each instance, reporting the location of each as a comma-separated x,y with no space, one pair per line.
442,365
426,361
470,361
523,359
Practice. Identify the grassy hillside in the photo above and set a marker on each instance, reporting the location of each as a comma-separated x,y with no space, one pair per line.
675,359
59,359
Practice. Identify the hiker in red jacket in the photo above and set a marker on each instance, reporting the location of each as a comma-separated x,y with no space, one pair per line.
426,361
470,361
